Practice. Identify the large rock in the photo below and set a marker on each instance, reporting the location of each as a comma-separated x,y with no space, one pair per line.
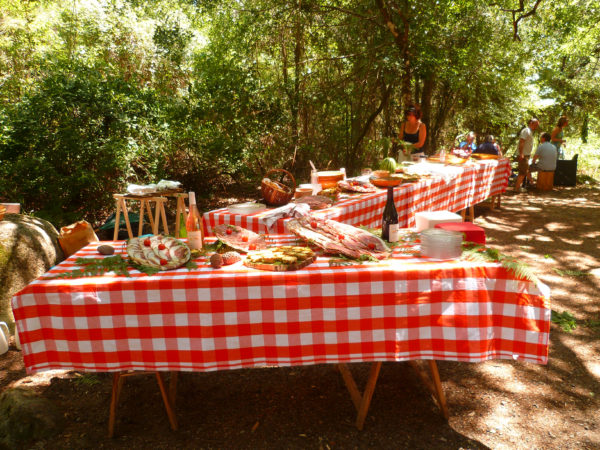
28,248
26,417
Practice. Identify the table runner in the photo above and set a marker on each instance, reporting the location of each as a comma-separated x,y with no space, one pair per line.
206,319
462,187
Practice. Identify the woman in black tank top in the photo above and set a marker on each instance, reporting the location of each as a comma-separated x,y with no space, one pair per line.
413,130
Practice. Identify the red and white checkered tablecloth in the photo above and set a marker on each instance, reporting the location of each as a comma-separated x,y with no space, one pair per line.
206,319
462,187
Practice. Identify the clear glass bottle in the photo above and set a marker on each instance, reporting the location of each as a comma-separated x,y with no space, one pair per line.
389,224
193,225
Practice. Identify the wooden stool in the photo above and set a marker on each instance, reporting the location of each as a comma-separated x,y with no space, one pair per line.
545,180
168,398
471,212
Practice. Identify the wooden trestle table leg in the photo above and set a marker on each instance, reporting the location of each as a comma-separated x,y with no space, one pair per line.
361,401
433,384
141,225
167,397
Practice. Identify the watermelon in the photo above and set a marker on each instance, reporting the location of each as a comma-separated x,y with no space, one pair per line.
388,164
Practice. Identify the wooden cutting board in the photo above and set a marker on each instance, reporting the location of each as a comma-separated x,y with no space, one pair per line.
280,267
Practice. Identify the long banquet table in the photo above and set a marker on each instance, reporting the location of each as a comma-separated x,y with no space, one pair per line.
405,308
450,188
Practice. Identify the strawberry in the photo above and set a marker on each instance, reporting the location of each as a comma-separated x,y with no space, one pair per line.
161,246
163,262
371,246
244,238
228,231
230,258
147,242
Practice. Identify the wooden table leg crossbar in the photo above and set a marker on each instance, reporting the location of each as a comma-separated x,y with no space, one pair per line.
167,397
362,401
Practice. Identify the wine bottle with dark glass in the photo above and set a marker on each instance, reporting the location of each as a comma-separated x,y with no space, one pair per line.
389,225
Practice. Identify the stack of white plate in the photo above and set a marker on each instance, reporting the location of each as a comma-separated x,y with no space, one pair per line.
246,208
441,244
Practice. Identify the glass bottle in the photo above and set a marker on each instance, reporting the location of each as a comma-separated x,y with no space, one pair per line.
389,225
193,225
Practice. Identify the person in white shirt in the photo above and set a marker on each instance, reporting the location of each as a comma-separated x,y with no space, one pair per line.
545,155
525,148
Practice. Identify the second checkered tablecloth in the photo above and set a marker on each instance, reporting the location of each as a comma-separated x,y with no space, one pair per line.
460,188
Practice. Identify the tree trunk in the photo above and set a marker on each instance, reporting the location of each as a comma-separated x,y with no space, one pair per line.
426,95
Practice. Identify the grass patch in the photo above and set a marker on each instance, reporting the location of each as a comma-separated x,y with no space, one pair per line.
565,320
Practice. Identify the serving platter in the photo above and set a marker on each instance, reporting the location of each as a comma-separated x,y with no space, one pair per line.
246,208
274,259
390,181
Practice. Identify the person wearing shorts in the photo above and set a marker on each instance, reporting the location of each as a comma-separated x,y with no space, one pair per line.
524,152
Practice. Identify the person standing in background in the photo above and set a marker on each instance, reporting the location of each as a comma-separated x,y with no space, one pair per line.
413,131
556,138
524,152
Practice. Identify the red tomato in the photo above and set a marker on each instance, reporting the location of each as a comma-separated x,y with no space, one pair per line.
163,262
147,242
161,246
341,237
244,238
228,231
313,224
371,246
252,247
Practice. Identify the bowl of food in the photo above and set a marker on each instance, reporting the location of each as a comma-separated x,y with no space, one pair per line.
303,192
328,179
389,181
381,173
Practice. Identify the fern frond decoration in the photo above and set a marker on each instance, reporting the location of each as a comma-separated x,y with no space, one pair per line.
480,253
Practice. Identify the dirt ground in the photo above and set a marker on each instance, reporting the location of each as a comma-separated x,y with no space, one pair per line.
497,404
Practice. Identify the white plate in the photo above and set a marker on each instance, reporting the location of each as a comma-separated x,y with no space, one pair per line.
246,208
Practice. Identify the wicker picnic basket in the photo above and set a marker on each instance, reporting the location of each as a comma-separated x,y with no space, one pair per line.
276,193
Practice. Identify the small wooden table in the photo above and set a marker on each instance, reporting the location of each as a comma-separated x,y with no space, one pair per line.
159,198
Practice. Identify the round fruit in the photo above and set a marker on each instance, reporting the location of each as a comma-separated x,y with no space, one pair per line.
388,164
252,247
216,261
147,242
371,246
313,224
163,262
244,238
161,246
228,231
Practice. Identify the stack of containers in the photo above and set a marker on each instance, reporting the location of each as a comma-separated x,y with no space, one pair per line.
441,244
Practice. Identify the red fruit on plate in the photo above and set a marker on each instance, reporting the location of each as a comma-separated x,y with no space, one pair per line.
229,231
244,238
161,246
252,247
163,262
147,242
371,246
313,224
341,237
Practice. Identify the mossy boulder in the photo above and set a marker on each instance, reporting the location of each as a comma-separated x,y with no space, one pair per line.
28,248
26,417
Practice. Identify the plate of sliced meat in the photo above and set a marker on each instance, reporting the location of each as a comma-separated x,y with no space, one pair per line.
239,238
356,186
339,238
280,259
316,201
160,252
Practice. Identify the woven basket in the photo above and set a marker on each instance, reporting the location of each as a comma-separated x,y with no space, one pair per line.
276,193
